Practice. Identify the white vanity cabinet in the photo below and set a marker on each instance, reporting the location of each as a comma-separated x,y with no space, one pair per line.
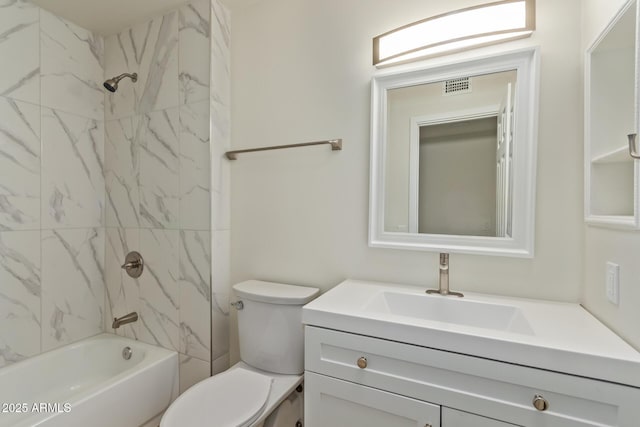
612,176
356,380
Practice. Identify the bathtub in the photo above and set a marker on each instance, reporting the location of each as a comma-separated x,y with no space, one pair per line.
89,383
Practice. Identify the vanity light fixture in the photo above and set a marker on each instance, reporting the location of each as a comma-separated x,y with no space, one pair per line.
462,29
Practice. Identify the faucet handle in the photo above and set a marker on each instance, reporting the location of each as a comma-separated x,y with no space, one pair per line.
128,265
444,259
133,264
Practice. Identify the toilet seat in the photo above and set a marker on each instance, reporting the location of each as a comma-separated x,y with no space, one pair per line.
234,398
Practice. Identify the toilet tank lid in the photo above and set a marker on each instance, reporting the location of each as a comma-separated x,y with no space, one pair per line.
275,293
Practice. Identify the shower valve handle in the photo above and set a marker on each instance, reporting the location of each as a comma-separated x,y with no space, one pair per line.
133,264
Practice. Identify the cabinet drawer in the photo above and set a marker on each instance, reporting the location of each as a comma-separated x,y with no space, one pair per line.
334,403
480,386
455,418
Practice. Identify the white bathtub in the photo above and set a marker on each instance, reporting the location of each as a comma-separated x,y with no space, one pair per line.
89,383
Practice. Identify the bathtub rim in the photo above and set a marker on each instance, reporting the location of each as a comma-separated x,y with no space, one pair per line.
154,356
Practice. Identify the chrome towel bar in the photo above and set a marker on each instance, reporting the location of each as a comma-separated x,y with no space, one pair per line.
336,144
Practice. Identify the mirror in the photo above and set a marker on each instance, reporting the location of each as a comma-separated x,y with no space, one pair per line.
453,156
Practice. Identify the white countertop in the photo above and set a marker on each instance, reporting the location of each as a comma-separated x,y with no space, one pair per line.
563,337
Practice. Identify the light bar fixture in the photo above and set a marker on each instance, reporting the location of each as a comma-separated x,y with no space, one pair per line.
462,29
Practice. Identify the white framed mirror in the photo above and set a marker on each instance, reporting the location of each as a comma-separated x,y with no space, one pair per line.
453,156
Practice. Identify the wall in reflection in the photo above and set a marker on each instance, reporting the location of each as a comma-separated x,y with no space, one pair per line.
456,179
457,185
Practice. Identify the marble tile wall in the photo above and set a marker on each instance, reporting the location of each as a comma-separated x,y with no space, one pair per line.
158,191
220,106
52,190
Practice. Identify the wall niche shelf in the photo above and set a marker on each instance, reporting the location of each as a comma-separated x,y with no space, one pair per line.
612,176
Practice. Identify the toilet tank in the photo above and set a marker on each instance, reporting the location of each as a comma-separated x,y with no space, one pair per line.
270,325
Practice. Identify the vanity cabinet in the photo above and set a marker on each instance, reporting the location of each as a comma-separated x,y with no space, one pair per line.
612,176
356,380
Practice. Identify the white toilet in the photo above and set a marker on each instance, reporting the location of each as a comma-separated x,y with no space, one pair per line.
260,389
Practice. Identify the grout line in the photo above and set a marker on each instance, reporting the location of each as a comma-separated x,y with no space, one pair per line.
41,186
159,110
202,230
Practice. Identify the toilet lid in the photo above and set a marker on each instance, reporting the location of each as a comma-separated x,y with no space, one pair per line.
234,398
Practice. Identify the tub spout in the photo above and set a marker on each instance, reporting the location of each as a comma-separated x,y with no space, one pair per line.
127,318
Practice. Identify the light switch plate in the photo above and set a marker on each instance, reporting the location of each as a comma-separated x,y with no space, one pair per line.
613,283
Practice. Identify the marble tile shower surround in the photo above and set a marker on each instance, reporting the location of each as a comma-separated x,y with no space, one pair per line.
52,189
71,67
72,285
158,173
20,51
195,173
159,291
122,291
73,187
195,293
20,295
93,177
157,167
151,50
195,37
172,296
220,100
20,160
122,173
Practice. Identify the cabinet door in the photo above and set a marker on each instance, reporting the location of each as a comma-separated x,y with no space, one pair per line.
455,418
337,403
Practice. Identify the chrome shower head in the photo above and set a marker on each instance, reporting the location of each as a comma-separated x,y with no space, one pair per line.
112,84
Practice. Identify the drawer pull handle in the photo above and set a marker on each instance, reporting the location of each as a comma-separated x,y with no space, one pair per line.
362,362
540,403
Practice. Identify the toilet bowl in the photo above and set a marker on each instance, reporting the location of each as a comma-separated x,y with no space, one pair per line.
262,390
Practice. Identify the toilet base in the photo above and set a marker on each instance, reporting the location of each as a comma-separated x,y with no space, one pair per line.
288,413
283,389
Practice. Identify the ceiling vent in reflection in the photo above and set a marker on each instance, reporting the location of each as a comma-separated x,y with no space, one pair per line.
456,86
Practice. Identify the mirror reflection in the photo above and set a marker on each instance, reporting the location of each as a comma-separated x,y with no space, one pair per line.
449,156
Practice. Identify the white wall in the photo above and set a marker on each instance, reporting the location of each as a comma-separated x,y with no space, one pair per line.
301,72
602,245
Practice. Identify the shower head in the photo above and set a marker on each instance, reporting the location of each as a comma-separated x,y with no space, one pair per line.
112,84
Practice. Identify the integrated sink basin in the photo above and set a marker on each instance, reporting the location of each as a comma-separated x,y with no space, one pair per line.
452,310
555,336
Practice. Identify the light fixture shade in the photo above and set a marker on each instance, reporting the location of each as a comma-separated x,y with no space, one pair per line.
462,29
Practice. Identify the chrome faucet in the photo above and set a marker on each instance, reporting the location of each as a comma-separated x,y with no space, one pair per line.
127,318
443,279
